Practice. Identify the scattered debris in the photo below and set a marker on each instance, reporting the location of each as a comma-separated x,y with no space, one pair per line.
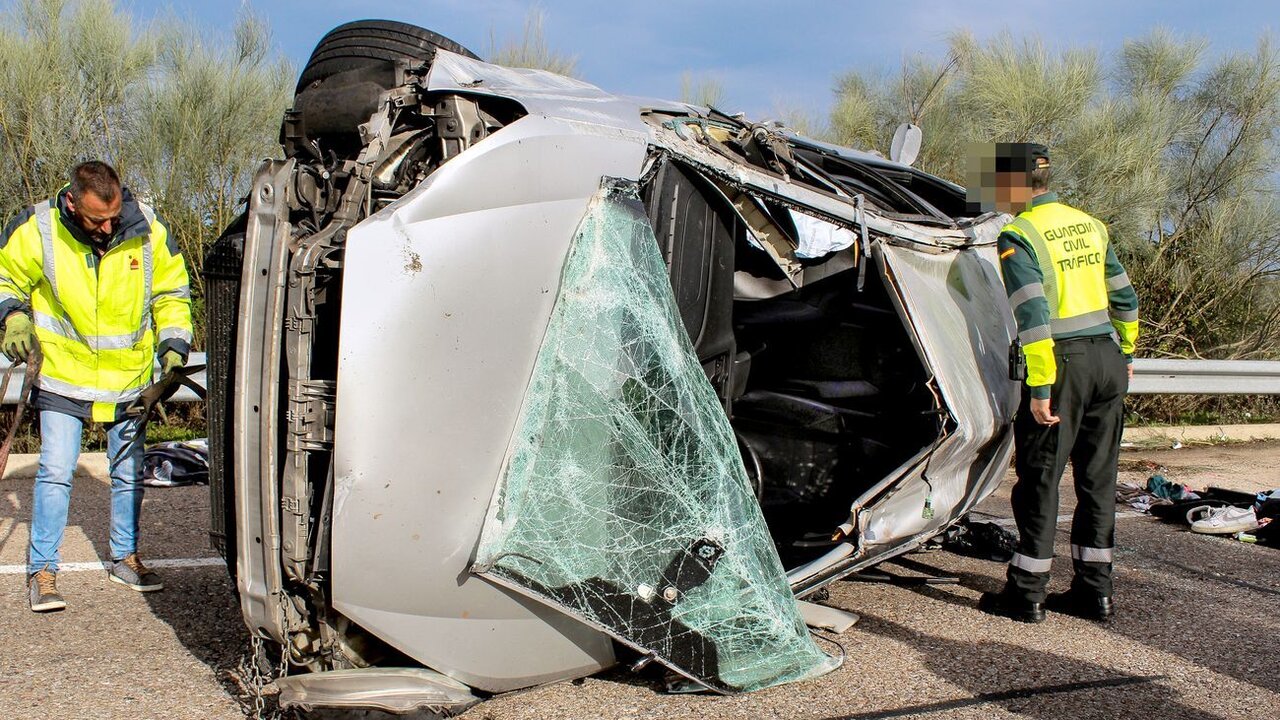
1214,511
1226,521
1161,488
821,617
176,464
983,540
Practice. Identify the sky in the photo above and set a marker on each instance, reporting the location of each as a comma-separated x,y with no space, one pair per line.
770,56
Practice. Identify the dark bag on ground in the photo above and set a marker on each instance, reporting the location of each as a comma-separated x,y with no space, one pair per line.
983,540
175,464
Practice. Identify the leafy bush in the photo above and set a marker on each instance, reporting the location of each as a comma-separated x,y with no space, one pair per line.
1173,148
184,116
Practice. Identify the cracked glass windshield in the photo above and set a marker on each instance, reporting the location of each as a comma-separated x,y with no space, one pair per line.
625,500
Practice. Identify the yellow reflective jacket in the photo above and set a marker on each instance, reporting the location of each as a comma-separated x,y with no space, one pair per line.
100,320
1064,280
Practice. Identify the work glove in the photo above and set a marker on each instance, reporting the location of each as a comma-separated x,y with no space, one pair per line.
169,361
171,379
19,337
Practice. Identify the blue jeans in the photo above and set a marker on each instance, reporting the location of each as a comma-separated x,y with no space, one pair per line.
59,452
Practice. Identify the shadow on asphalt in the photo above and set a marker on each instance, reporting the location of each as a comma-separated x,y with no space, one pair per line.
1231,638
90,511
200,606
1031,678
1233,623
978,582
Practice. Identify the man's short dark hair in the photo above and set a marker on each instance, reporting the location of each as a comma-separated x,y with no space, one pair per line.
96,177
1040,178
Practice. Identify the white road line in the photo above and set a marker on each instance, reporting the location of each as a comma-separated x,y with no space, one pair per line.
89,566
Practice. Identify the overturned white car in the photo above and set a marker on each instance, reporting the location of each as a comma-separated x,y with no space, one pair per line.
509,375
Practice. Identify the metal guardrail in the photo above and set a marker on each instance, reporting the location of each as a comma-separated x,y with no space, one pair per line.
1152,376
184,394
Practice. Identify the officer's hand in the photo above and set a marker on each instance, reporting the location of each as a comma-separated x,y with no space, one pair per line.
19,337
1129,367
1042,413
170,361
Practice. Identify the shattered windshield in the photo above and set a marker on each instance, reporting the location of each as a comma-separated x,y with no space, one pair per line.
624,500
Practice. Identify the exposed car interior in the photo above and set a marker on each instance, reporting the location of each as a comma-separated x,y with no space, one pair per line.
821,382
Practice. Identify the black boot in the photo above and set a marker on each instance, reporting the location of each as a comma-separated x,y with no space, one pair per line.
1014,607
1082,604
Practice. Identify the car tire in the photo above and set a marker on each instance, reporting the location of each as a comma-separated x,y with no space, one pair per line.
349,70
372,44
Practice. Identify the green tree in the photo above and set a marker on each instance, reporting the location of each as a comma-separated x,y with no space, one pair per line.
1174,150
203,124
67,74
184,115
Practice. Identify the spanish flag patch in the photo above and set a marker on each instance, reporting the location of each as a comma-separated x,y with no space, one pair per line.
1008,252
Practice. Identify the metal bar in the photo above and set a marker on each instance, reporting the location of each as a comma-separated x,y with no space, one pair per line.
184,394
1153,376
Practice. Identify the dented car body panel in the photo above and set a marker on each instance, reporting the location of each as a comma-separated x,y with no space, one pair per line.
391,327
462,279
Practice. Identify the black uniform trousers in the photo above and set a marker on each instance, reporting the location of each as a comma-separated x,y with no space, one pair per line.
1089,398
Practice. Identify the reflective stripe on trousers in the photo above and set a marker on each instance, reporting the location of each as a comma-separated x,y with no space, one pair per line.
1088,554
1030,564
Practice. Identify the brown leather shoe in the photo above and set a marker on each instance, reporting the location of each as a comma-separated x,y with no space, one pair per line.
130,572
42,591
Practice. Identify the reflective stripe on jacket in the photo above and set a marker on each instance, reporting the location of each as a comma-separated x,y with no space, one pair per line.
98,319
1064,281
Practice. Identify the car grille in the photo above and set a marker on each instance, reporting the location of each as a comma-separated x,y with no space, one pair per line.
222,268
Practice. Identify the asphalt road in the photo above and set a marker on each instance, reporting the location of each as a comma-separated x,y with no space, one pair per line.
1195,637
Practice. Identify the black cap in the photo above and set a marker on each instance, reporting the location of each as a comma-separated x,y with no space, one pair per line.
1039,153
1021,157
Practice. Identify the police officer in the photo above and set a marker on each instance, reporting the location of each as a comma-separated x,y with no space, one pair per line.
1077,318
96,281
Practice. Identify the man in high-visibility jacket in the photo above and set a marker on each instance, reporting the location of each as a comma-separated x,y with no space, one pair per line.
1077,318
95,280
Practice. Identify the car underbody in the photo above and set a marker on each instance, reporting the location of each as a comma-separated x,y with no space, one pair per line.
408,327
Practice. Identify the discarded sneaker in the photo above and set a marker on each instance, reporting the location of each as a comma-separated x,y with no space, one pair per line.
1201,512
1226,521
130,572
1081,604
42,591
1011,606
